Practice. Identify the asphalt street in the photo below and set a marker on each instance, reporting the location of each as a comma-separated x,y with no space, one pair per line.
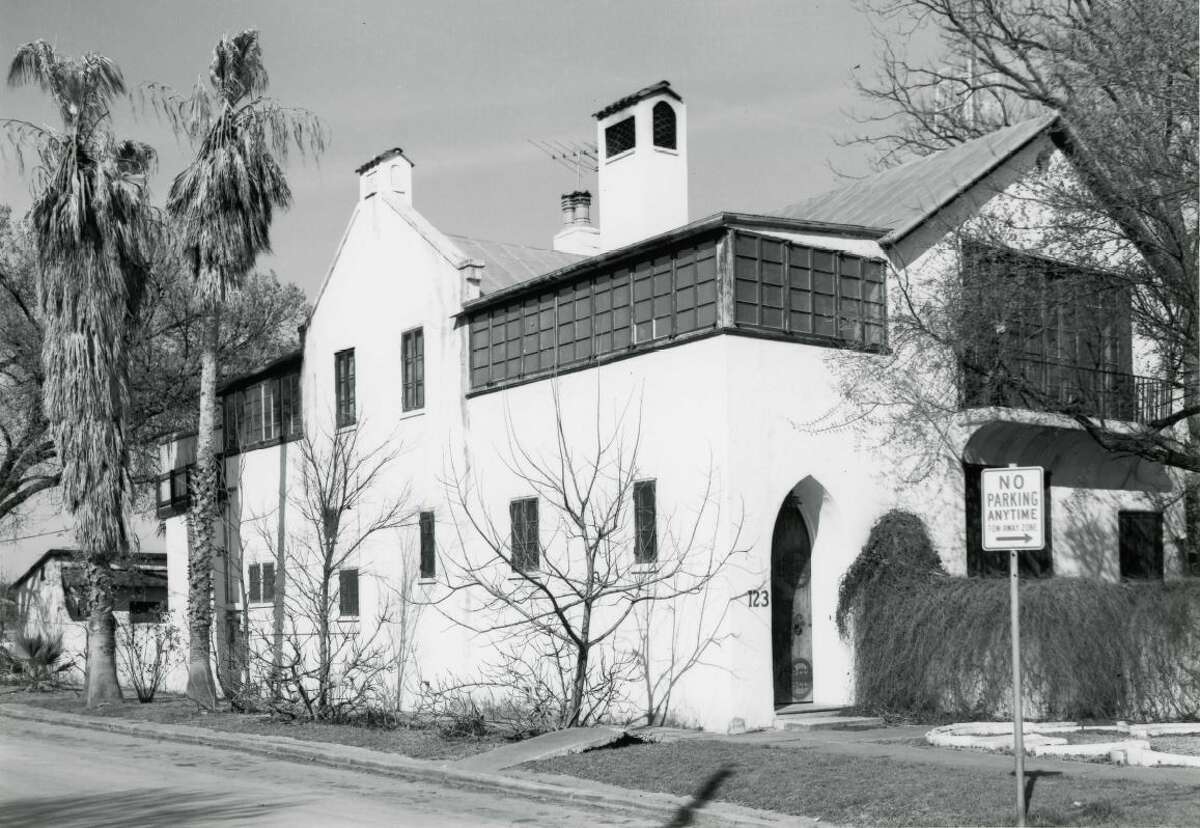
62,776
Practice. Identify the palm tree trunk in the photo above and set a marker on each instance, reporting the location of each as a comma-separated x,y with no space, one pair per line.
100,682
202,525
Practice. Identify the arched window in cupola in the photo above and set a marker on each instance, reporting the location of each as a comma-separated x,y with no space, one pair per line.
664,125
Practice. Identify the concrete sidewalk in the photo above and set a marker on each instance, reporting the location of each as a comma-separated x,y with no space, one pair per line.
572,792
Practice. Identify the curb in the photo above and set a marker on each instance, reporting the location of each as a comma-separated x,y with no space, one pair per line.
614,800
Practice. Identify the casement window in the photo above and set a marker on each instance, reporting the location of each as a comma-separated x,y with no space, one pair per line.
263,413
1140,540
644,522
525,548
597,317
984,564
428,549
348,593
619,137
807,291
343,379
261,587
664,125
412,351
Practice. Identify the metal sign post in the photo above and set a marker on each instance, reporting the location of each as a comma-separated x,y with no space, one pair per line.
1014,520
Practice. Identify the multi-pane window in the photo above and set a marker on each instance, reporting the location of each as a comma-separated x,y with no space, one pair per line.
644,522
1140,540
664,125
804,290
348,593
412,354
1044,332
263,413
261,588
525,548
343,383
428,547
619,137
631,307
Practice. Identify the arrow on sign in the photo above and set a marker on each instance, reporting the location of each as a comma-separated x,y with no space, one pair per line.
1026,537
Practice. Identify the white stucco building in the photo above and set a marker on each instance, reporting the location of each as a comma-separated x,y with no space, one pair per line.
725,348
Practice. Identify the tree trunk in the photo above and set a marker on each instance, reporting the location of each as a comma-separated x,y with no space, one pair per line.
201,527
1191,495
100,681
579,681
323,648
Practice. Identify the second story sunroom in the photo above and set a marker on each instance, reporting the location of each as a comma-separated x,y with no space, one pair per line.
263,408
748,275
1044,335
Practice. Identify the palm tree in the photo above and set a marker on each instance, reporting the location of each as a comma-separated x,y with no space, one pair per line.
223,204
90,220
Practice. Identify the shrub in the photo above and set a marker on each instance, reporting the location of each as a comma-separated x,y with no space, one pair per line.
1090,649
898,551
38,659
147,653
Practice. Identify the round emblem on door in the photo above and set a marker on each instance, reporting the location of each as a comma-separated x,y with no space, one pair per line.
802,678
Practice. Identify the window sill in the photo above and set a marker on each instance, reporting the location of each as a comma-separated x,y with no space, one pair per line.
644,568
347,619
426,581
666,150
529,575
348,427
408,415
620,155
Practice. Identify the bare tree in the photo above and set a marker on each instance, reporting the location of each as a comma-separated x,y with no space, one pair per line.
328,661
558,593
1122,77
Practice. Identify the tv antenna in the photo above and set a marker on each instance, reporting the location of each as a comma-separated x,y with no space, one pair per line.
577,156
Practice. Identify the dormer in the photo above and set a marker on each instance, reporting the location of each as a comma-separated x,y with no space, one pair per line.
643,165
390,171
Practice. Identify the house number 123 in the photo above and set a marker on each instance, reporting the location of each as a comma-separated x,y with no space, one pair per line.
758,598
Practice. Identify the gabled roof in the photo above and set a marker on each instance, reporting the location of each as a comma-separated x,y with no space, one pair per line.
902,197
662,87
150,564
505,265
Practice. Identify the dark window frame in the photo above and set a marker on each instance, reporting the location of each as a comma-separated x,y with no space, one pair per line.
260,587
427,523
620,137
525,550
412,369
344,377
1148,568
645,521
286,420
665,130
348,593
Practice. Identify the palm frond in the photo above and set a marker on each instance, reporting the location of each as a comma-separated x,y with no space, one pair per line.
36,62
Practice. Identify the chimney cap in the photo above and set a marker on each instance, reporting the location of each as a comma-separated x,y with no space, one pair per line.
663,87
384,156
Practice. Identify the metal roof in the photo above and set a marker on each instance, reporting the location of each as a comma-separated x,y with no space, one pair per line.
902,197
662,87
508,264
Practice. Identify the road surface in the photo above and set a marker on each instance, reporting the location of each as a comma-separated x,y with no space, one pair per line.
63,776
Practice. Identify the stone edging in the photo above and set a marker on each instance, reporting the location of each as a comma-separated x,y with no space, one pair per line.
641,804
1133,750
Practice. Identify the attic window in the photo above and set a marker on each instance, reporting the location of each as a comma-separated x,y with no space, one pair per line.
664,125
619,137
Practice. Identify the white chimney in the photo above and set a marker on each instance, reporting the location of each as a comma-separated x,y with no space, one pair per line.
643,165
389,172
578,234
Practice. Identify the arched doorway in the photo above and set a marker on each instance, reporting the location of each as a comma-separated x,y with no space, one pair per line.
791,605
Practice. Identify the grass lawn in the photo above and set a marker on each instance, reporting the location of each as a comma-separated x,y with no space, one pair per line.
423,743
877,791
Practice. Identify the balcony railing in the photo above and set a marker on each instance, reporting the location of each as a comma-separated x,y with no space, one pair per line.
1042,385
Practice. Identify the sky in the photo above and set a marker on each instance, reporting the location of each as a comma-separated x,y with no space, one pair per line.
463,87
